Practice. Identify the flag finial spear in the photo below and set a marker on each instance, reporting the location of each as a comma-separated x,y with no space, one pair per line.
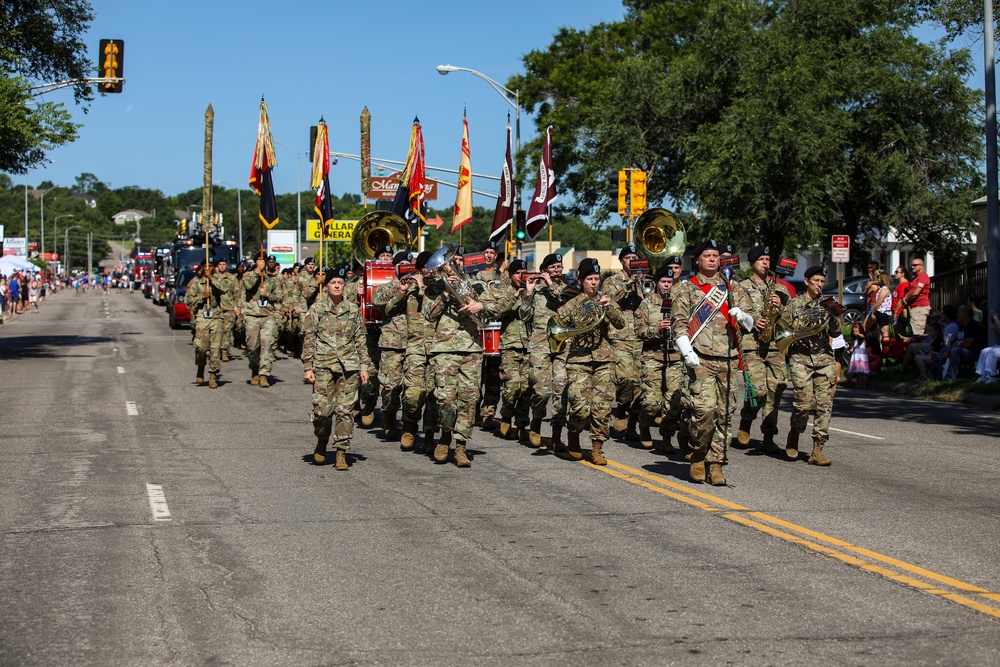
416,121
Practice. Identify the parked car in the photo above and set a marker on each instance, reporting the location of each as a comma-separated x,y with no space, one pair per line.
177,312
854,297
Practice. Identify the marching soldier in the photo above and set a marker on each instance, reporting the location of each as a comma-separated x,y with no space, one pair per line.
335,362
813,368
590,362
307,289
370,389
704,331
547,375
263,296
622,287
392,342
418,375
490,394
228,303
239,322
514,353
202,299
766,365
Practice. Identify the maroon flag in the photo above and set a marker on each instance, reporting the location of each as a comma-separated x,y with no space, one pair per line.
545,191
504,214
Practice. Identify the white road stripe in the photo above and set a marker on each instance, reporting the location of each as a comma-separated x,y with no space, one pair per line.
158,502
121,370
860,435
131,408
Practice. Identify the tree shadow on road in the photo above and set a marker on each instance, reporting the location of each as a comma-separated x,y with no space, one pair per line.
47,347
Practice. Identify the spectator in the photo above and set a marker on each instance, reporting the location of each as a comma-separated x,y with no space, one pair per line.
947,329
34,292
988,366
899,310
859,368
3,296
927,360
918,298
880,304
972,301
15,295
968,344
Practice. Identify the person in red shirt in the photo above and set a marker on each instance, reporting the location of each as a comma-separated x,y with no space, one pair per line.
918,298
899,294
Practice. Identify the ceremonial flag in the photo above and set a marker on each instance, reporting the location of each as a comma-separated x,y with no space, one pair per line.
545,191
463,200
412,183
321,173
504,214
264,161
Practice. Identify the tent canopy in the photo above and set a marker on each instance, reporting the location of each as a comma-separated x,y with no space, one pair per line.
12,264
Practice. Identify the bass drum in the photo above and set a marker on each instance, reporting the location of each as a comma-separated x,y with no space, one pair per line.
376,273
490,338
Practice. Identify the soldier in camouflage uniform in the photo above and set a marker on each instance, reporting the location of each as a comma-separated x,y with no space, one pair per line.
392,342
306,289
813,368
263,296
622,287
289,319
664,378
457,358
239,322
490,392
418,374
766,366
547,370
513,352
711,357
335,361
370,390
202,297
228,308
590,361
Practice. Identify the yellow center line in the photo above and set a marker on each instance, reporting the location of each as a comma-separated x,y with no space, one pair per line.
698,499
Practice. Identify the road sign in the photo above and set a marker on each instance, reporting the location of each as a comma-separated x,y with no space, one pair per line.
841,249
336,230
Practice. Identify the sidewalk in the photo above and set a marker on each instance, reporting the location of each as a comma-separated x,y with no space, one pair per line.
942,392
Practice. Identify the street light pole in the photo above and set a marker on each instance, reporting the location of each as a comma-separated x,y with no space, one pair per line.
992,204
239,214
41,248
298,180
55,231
66,247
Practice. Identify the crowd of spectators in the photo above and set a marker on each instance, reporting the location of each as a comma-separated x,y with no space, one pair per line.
22,293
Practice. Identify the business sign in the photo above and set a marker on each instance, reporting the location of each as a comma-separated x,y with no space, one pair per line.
335,230
15,245
384,187
281,243
841,249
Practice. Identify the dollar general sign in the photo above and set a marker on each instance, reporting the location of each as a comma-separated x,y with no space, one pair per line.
336,230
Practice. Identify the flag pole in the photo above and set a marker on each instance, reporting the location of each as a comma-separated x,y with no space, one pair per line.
549,213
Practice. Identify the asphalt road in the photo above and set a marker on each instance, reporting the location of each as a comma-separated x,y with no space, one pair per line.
146,520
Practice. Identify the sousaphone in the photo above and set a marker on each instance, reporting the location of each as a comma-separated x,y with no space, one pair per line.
378,229
658,234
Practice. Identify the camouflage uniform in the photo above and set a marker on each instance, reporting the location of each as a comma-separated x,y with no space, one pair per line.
290,320
664,378
766,366
712,384
590,360
627,346
206,321
307,290
457,358
392,346
547,370
334,350
813,368
514,368
228,302
261,323
418,376
491,388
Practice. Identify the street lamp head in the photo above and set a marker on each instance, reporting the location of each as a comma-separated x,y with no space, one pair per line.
444,69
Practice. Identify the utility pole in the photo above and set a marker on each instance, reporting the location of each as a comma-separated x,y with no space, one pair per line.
992,217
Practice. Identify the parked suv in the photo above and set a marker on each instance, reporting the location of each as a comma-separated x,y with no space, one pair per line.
854,297
177,312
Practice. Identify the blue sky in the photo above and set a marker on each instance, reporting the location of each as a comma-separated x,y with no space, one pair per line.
308,59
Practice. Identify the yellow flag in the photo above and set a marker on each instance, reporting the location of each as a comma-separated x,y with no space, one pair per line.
463,200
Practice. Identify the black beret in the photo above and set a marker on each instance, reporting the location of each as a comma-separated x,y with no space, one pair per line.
673,259
272,257
664,271
490,245
757,252
219,260
815,271
384,249
460,251
515,266
402,257
296,265
422,258
703,246
727,249
588,267
309,260
627,250
549,260
334,273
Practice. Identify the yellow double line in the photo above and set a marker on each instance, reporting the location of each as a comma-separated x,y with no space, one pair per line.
896,570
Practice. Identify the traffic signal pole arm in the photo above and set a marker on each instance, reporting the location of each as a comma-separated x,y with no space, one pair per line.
43,88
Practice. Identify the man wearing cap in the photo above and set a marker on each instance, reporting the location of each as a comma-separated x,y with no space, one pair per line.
418,376
622,287
288,286
493,270
202,297
515,403
335,361
263,296
766,366
547,375
813,368
590,363
664,379
457,358
228,304
704,332
392,341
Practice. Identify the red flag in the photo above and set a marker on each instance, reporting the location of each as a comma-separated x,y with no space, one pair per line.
504,214
264,161
412,183
545,191
321,172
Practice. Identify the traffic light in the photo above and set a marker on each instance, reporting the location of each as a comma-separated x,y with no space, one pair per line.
521,233
638,187
111,64
619,235
623,192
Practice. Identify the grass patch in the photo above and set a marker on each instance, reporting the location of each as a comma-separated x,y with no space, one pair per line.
954,391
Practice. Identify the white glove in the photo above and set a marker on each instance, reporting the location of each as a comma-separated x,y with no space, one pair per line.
687,352
745,319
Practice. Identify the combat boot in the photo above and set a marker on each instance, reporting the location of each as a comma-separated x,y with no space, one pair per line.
769,446
817,458
254,377
368,412
264,382
201,374
461,458
715,477
225,355
535,436
443,447
743,434
684,442
645,437
698,471
409,436
428,446
792,445
573,445
558,446
524,436
488,423
621,412
319,455
340,462
211,381
389,425
596,457
666,446
631,434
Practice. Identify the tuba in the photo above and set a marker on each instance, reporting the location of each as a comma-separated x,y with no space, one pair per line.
377,229
463,292
658,234
559,332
